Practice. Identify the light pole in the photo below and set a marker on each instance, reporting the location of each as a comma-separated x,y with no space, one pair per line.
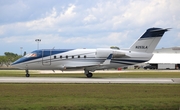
21,50
38,40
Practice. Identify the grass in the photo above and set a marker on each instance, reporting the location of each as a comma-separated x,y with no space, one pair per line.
90,96
121,74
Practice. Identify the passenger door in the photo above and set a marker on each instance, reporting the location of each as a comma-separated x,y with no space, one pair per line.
46,57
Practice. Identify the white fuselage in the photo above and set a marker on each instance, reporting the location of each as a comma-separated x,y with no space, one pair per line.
89,59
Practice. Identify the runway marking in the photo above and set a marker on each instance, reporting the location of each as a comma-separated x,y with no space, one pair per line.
87,80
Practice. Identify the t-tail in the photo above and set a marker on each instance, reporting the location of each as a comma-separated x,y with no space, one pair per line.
149,40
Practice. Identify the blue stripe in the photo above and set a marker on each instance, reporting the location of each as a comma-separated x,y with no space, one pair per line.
40,54
135,61
128,62
48,52
154,32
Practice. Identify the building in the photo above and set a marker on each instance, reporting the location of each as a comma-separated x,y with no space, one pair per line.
166,58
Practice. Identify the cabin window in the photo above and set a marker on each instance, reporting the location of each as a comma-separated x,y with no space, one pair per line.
84,56
78,56
72,56
54,57
66,57
60,56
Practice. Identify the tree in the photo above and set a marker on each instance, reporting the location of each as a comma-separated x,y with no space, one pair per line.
2,60
11,56
8,58
7,61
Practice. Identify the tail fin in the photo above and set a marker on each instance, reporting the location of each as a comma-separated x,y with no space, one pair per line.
149,40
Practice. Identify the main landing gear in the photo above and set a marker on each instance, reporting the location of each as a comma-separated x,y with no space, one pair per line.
88,74
27,73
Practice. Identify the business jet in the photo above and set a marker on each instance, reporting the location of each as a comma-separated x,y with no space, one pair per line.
91,60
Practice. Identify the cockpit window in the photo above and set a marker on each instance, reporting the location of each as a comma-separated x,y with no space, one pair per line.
31,55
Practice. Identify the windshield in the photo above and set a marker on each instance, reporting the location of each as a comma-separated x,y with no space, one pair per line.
31,55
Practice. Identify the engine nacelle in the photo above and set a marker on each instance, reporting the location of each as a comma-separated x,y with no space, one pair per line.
104,53
118,54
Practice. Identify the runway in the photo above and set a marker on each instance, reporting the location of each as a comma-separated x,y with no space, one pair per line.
88,80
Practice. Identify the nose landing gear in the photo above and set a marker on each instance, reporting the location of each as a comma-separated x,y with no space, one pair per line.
27,73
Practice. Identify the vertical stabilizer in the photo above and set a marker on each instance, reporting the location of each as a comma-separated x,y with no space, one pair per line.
149,40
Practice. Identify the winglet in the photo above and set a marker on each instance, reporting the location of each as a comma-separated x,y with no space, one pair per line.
108,60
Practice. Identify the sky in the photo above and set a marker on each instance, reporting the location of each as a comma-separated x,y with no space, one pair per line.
71,24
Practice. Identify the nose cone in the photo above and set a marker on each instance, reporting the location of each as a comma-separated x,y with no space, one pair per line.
14,63
18,63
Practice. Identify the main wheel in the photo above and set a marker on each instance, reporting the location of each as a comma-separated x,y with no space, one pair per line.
89,75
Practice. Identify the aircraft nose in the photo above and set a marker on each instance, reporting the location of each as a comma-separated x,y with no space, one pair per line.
14,65
17,63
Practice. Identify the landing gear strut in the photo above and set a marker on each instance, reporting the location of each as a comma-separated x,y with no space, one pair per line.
27,73
88,74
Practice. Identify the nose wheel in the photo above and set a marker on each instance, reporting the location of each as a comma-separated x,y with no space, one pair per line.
27,73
